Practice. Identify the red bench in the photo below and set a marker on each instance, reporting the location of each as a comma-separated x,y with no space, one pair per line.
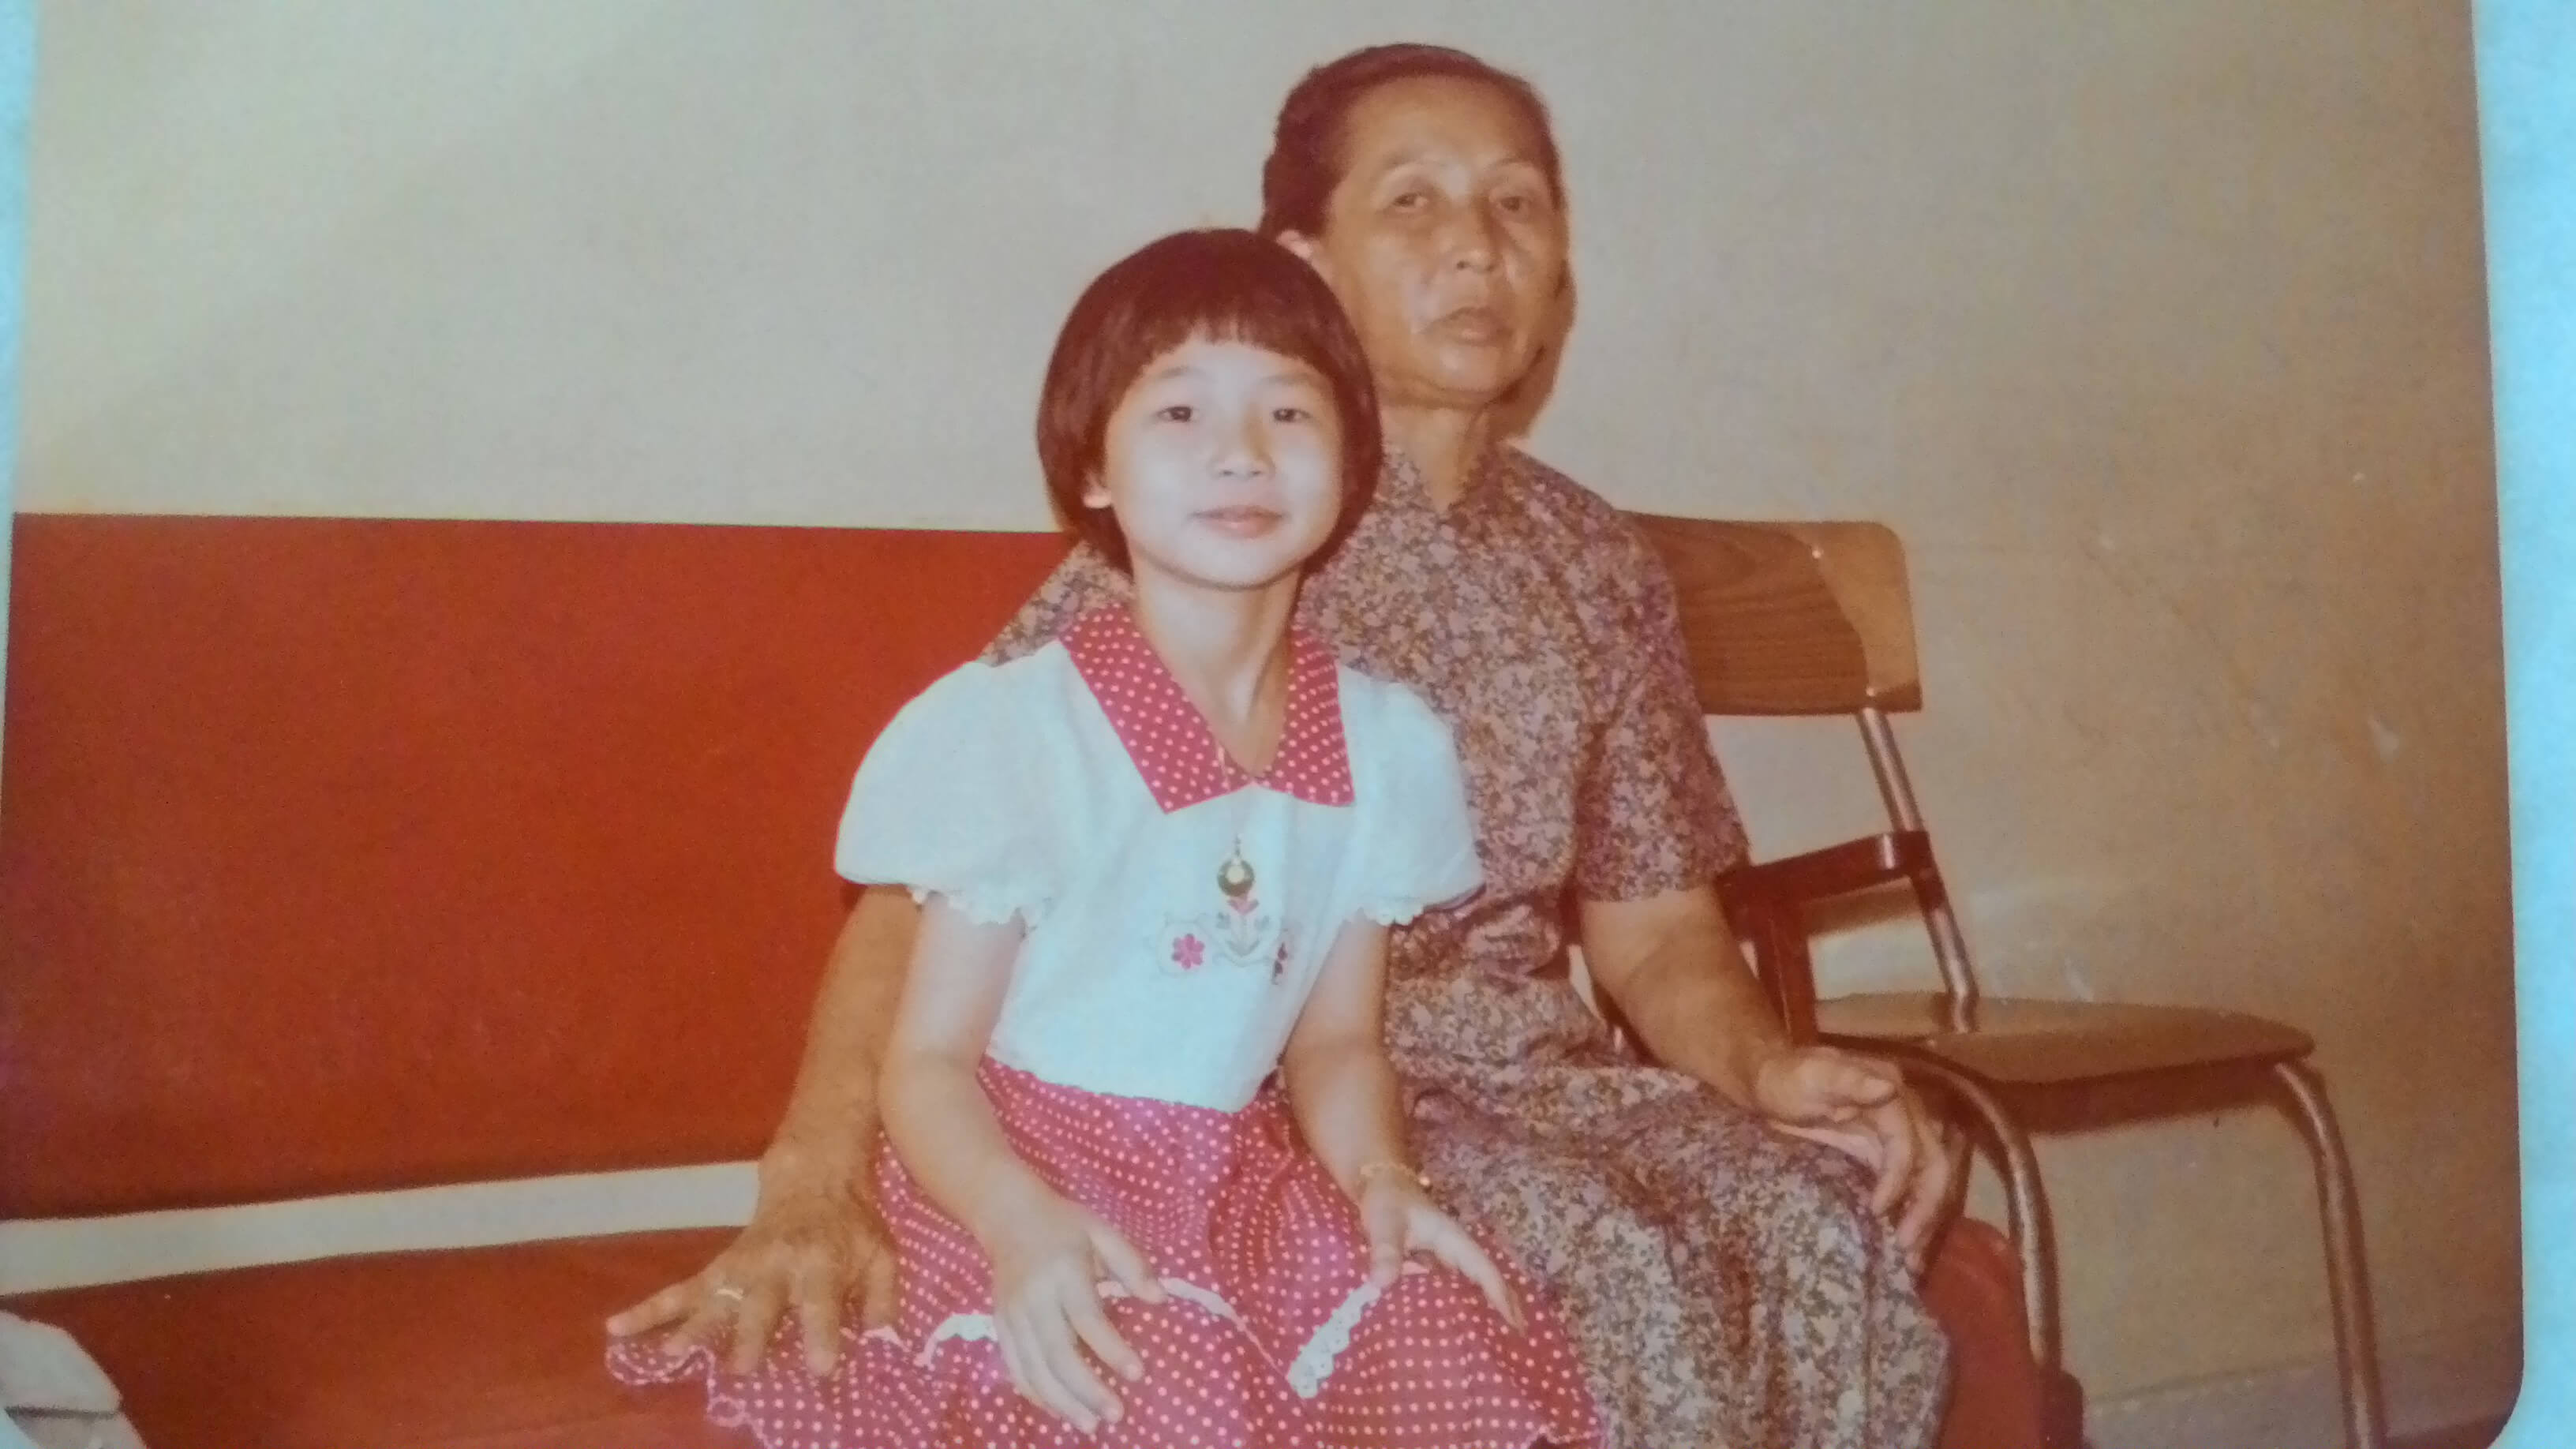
348,855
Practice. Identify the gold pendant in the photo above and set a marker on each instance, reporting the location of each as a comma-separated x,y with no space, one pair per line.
1235,876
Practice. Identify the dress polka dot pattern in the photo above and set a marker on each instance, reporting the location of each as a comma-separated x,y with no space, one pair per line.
1170,740
1261,1255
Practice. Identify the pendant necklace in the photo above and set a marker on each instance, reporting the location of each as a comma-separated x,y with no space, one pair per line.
1235,877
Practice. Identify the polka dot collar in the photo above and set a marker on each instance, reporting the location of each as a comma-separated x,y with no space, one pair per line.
1169,741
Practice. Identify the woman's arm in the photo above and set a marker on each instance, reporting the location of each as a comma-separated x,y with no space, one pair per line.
814,1241
824,1138
1672,965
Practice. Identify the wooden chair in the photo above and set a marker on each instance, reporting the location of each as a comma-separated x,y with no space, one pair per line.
1816,619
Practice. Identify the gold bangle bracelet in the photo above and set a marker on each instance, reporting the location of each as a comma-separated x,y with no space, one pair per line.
1368,1170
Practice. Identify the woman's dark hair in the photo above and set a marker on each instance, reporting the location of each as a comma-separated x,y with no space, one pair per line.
1222,285
1308,148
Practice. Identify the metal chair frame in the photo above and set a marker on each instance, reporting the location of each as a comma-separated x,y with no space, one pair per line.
1766,899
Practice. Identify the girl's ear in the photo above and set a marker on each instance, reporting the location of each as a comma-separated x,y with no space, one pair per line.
1095,494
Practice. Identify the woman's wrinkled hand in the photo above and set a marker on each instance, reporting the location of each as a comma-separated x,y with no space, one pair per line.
809,1252
1862,1106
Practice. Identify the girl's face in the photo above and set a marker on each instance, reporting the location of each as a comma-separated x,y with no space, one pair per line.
1223,466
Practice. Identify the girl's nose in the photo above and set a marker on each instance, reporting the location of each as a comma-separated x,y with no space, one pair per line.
1244,453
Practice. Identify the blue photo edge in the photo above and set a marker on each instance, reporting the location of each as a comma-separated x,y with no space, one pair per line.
2526,82
2526,86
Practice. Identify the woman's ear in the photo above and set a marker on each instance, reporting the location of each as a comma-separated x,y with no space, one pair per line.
1303,247
1095,494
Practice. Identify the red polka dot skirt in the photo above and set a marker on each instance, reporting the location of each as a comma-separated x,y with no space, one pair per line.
1269,1336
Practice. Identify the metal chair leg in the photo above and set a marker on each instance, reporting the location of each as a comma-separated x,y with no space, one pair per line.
2025,1206
2356,1343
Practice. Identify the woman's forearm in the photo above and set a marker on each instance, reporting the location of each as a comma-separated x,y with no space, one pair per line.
942,1126
827,1134
1700,1011
1672,966
1348,1106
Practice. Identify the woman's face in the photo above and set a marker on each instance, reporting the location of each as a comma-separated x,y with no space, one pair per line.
1443,240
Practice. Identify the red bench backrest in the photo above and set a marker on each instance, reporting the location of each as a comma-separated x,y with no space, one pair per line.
342,854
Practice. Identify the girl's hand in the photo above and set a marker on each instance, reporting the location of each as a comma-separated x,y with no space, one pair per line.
1400,1218
1048,1259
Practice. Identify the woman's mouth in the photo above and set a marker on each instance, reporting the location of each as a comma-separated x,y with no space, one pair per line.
1476,325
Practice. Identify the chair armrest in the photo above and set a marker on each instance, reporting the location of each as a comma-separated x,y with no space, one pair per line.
1766,904
1823,875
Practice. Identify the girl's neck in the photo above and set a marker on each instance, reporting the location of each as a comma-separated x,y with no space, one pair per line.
1229,651
1443,443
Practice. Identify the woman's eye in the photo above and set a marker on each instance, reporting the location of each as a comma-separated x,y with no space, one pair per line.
1176,413
1290,413
1410,201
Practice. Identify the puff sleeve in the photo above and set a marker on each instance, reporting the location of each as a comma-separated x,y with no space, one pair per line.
949,802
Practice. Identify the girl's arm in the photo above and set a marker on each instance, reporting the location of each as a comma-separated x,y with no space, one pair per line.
1046,1253
1344,1095
1340,1086
934,1110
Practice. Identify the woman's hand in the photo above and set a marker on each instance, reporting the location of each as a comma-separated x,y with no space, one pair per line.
1862,1106
809,1249
1048,1258
1401,1219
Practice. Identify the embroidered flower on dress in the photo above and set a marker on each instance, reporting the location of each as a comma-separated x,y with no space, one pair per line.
1189,953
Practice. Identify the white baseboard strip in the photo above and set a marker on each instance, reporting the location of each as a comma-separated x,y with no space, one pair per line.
37,1254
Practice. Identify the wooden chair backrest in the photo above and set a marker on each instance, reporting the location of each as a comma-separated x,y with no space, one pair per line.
1792,618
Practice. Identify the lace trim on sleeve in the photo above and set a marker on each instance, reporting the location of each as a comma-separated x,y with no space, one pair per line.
989,904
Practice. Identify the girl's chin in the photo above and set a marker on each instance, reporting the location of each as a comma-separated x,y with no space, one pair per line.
1222,575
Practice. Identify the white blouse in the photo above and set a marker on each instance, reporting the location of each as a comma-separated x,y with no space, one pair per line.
1177,911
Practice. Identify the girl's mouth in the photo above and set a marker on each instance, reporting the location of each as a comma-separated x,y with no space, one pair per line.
1241,520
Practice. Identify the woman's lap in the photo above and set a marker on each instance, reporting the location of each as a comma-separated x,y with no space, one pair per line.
1725,1284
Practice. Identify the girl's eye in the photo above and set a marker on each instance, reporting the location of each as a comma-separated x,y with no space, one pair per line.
1516,204
1410,201
1291,413
1176,413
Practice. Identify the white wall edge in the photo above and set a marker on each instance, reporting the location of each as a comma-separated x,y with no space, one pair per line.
2462,1377
37,1254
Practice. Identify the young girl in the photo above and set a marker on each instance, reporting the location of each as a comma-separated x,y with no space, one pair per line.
1157,861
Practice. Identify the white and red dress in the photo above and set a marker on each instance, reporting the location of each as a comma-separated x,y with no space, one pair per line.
1177,912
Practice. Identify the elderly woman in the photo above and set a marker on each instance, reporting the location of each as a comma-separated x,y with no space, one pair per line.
1730,1277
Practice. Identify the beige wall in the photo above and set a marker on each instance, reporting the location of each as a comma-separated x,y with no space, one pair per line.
2156,330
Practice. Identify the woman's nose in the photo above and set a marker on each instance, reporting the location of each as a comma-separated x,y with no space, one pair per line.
1471,239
